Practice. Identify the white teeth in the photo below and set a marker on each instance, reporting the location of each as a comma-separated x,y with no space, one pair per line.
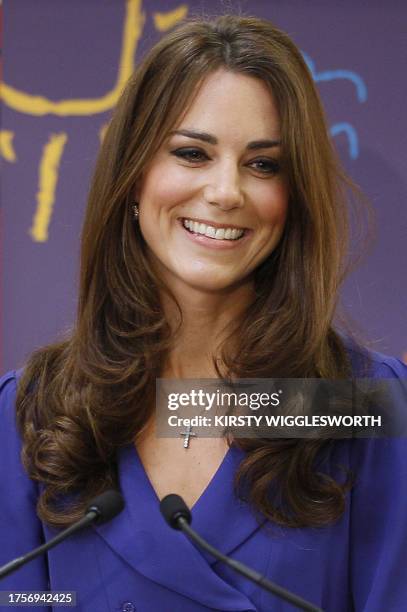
212,232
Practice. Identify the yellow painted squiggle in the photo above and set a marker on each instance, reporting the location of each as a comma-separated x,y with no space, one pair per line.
165,21
48,179
6,146
39,105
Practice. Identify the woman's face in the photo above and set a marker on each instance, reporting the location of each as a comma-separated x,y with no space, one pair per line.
213,201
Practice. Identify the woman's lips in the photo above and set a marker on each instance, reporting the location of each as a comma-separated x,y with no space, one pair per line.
215,243
214,224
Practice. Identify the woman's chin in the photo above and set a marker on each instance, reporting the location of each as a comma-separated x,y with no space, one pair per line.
211,283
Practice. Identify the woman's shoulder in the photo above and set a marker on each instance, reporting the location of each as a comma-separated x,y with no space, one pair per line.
10,440
387,451
366,362
20,528
12,471
10,378
8,381
8,391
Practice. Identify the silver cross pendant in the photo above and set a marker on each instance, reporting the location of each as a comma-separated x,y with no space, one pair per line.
188,433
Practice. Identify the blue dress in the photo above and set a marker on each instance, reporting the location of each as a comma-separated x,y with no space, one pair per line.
137,563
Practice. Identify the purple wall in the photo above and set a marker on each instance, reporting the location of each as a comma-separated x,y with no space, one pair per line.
69,54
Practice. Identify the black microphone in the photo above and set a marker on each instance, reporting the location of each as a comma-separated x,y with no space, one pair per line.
178,516
101,509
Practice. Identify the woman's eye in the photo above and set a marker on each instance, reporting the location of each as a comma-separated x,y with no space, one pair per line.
194,155
264,165
267,166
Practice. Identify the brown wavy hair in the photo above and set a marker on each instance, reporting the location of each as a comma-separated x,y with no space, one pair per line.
82,398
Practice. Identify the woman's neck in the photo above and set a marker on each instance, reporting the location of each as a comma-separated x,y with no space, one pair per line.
206,319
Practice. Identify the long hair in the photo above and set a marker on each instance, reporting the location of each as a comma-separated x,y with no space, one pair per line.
82,398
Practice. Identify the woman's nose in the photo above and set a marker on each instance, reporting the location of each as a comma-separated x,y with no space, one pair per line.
223,188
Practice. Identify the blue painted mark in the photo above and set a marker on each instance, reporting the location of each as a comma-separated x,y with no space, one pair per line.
361,92
332,75
353,140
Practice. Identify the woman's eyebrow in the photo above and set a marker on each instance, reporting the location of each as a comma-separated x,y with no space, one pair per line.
255,144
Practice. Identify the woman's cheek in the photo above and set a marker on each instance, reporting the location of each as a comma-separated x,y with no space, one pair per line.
273,205
179,185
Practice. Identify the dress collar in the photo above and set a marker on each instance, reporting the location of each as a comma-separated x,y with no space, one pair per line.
143,539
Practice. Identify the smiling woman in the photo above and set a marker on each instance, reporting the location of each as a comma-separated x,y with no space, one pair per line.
214,245
212,201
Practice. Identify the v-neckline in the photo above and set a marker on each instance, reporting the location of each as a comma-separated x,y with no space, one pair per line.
142,538
211,483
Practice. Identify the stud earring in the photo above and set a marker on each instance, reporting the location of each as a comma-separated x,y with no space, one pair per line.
135,210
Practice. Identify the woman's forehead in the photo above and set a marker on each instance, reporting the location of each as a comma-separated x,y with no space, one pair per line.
232,103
